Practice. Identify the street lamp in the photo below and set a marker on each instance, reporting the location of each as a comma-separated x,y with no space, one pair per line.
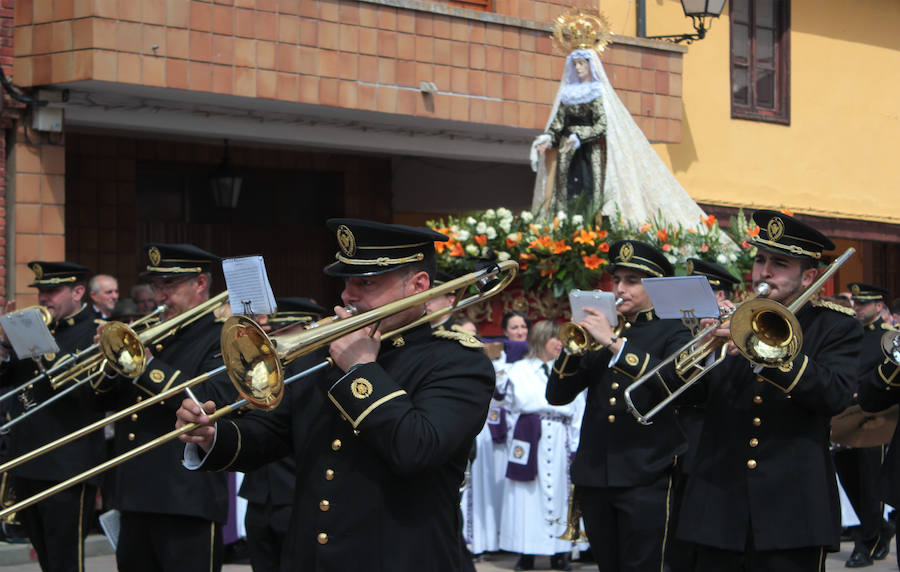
225,182
701,13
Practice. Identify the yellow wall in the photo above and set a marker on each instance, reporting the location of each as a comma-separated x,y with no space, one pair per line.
838,157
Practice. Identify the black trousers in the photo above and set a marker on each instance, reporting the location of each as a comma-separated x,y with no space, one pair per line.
627,526
57,525
807,559
168,543
858,470
681,555
267,528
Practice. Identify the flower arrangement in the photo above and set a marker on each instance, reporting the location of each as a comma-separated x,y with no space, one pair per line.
571,251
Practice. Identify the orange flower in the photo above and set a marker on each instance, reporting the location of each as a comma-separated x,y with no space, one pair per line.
692,231
662,235
709,221
584,236
526,256
456,249
753,231
560,246
592,262
787,212
645,227
510,242
481,239
601,234
548,272
440,246
745,245
541,242
604,247
555,223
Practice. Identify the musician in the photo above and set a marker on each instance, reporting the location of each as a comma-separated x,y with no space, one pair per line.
879,390
56,526
681,555
171,519
380,440
622,470
762,494
858,468
269,490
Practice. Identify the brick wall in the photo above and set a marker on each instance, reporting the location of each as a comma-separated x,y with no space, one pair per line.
7,120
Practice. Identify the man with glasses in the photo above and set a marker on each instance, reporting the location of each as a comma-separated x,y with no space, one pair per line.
171,519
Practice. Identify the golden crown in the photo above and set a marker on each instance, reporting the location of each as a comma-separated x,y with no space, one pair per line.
581,29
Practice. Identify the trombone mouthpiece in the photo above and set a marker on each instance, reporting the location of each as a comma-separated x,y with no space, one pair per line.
763,289
619,301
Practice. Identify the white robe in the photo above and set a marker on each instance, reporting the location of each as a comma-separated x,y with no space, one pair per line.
534,513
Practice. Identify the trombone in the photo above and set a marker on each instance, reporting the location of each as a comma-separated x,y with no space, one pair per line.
890,346
122,349
70,361
261,382
763,331
578,341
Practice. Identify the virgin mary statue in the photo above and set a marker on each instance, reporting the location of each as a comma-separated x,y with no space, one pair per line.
600,151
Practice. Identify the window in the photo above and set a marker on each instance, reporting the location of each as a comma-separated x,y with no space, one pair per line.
760,60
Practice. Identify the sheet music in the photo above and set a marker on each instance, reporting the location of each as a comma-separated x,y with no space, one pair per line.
675,296
111,523
605,302
249,291
28,333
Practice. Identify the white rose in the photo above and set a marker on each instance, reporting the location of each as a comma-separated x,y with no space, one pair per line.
561,216
526,217
502,255
513,236
732,256
454,228
491,233
504,213
472,249
671,258
505,224
480,228
721,258
577,220
489,214
463,235
470,221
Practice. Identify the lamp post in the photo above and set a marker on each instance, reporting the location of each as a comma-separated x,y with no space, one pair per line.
701,13
225,182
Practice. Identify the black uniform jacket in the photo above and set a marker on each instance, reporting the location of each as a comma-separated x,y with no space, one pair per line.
878,390
154,481
380,454
64,416
615,450
763,461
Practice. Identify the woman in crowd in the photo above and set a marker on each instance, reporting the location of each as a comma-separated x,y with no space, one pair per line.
536,492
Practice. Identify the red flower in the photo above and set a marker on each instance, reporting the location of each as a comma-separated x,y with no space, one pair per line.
592,262
604,247
481,239
662,235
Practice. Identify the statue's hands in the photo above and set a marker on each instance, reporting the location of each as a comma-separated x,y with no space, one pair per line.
542,148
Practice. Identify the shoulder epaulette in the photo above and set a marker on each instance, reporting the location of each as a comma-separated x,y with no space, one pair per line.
833,306
465,339
886,326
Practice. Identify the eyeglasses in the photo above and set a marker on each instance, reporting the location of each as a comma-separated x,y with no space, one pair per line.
168,285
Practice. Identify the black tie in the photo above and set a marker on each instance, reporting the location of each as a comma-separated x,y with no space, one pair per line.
546,370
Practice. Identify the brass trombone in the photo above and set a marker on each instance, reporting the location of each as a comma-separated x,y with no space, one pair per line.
122,349
261,381
890,346
578,341
763,331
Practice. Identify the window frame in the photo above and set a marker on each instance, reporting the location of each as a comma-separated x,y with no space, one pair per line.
781,114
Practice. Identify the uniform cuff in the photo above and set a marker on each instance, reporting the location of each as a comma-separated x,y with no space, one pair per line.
566,365
635,364
887,371
787,376
362,390
157,378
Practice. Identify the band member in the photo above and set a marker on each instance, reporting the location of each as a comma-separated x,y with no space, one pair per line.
762,493
269,490
878,391
56,526
382,439
680,555
171,519
858,468
622,469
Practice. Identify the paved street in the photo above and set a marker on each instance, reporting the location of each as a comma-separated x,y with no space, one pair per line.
495,563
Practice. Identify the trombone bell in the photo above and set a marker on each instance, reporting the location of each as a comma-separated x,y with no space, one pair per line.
766,332
890,346
122,349
252,363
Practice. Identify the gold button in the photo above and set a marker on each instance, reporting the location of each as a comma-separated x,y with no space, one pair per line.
322,538
139,399
159,347
751,464
336,445
615,385
754,442
324,505
757,421
31,386
611,418
131,436
134,416
627,325
612,400
329,474
759,378
757,399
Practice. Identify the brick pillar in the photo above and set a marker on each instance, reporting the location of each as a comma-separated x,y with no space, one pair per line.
6,122
37,172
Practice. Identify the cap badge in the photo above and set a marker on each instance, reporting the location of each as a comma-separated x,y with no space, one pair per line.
626,252
775,228
855,289
346,240
155,256
690,266
361,388
38,271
